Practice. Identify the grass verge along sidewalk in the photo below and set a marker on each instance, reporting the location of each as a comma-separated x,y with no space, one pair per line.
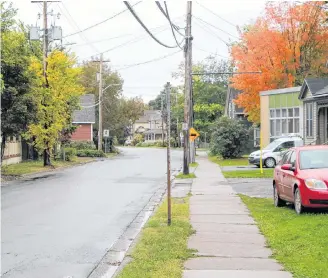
229,162
31,167
162,249
256,173
299,242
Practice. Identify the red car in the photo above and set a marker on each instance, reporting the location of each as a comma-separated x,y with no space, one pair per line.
301,178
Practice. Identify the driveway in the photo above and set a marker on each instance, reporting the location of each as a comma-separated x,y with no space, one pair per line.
62,225
252,187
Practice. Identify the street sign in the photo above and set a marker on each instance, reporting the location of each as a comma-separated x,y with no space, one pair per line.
106,132
193,134
184,126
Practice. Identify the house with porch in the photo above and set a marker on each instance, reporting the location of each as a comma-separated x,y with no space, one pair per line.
314,96
151,125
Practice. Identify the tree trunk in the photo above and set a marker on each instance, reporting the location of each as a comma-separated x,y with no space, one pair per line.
46,157
3,145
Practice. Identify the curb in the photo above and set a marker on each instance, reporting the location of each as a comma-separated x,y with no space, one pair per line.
117,255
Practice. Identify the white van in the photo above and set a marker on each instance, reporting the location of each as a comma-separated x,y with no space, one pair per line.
272,153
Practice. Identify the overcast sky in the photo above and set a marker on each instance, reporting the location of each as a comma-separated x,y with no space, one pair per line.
144,80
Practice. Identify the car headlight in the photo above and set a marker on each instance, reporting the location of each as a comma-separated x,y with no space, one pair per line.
315,184
256,155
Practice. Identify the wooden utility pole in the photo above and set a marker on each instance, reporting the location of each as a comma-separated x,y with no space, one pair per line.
100,99
188,91
45,39
168,126
162,111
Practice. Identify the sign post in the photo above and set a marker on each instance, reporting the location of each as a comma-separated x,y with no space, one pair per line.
106,135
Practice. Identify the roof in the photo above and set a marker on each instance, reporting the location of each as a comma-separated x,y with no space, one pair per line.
317,86
281,91
153,115
87,114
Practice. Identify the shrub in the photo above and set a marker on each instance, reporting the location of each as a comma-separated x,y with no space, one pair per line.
90,153
139,144
82,145
229,138
138,138
70,154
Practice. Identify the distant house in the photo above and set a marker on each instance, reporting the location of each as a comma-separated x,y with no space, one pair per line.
84,119
314,95
281,113
150,124
232,111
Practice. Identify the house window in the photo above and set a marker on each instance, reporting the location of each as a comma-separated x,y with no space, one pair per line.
284,121
256,137
309,119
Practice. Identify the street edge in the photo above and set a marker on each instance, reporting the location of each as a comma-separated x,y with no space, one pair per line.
118,254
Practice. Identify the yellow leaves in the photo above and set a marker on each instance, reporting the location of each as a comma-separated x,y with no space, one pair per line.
53,102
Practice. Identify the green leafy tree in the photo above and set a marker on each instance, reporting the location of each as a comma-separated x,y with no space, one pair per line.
228,138
55,101
17,103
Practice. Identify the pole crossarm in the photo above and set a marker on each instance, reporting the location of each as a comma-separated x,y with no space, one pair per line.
209,73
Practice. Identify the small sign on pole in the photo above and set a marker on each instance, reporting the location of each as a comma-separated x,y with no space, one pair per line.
184,126
106,132
193,134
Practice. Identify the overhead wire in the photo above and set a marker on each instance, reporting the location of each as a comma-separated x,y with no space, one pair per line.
101,22
76,25
149,61
215,14
204,21
172,27
216,54
212,33
144,26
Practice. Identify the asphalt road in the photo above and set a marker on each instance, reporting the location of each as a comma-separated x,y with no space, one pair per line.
62,225
261,188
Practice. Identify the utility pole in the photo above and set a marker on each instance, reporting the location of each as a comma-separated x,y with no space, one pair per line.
45,40
168,126
100,127
188,91
162,109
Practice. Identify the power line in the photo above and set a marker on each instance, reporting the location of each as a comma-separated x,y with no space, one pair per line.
177,28
216,54
136,39
212,33
76,25
101,22
215,14
215,27
171,25
144,26
149,61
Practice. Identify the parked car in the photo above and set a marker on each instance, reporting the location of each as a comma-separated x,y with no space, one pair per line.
273,152
301,178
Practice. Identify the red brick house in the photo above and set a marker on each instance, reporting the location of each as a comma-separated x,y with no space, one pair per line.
84,119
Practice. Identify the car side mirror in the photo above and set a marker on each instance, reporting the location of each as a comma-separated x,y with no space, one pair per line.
288,167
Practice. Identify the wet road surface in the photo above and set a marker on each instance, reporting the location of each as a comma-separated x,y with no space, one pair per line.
62,225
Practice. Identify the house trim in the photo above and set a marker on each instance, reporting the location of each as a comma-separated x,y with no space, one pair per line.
281,91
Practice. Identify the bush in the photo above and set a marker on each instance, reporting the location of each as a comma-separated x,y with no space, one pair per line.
138,138
139,144
90,153
70,154
229,138
82,145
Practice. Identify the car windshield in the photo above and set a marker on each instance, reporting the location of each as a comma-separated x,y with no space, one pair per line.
272,145
313,159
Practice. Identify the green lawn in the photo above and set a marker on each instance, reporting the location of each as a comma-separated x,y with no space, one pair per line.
194,164
30,167
256,173
162,249
182,176
229,162
299,242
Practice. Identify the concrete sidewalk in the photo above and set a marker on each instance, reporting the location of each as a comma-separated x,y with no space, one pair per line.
228,241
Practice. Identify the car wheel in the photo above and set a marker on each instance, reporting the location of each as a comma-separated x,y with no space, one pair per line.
270,162
298,201
277,201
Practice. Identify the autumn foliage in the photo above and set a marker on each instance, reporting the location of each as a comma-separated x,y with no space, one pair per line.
287,44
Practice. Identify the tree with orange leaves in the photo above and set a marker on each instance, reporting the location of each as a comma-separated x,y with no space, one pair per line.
287,44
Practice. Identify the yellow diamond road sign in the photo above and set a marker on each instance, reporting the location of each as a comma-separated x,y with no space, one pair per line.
193,134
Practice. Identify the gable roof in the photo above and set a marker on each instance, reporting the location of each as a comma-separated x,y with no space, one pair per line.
232,94
148,115
317,87
87,114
